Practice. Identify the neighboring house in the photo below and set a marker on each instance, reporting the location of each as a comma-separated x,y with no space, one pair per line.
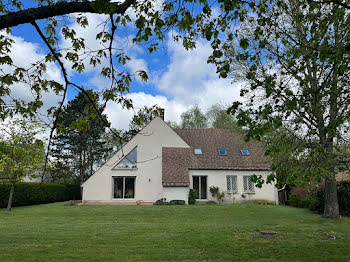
343,176
161,162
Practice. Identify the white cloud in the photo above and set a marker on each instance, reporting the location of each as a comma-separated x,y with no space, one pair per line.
120,117
190,80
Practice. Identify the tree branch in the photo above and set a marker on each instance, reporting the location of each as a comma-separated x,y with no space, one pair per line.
336,2
61,8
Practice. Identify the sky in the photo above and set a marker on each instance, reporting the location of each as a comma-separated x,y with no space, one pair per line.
178,79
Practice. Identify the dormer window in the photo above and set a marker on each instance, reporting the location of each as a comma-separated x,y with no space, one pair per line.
198,151
245,152
222,152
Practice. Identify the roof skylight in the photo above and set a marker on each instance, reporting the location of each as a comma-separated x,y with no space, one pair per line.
198,151
222,152
245,152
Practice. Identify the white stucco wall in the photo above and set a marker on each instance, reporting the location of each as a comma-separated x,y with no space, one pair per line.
148,182
218,178
176,193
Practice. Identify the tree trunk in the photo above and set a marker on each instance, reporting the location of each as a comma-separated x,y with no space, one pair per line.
331,207
9,204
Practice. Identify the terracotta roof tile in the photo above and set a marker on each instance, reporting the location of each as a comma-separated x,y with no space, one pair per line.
177,161
345,175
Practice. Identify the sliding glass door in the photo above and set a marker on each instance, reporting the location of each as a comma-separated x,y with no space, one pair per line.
200,186
124,187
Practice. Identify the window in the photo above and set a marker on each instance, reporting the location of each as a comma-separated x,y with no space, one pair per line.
232,184
129,161
222,152
200,186
198,151
248,184
245,152
124,187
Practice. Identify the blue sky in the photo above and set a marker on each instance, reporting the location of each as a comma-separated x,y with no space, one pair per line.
178,79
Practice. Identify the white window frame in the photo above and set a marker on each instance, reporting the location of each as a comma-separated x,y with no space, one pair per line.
123,193
199,152
125,157
232,178
246,185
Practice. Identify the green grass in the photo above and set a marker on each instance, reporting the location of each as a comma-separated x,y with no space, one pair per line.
55,232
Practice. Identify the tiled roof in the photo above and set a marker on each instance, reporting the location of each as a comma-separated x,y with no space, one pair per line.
345,175
177,161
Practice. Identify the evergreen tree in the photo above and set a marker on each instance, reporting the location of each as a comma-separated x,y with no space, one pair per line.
80,144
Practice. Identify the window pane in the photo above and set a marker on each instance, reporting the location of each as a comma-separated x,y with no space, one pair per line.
232,184
245,152
129,187
196,186
118,187
245,182
229,184
203,187
222,152
198,151
130,160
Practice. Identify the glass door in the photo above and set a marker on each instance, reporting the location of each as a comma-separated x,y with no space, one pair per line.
200,186
124,187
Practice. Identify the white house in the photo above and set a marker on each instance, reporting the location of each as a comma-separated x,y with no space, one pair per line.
161,162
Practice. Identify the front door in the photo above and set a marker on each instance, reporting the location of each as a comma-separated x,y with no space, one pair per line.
200,186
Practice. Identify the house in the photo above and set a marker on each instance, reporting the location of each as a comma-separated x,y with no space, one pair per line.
161,162
343,176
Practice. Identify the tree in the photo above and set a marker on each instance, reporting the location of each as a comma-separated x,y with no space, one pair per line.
295,65
80,145
21,154
193,118
219,118
141,119
152,20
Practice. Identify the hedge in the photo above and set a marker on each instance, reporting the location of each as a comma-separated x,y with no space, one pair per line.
37,193
343,192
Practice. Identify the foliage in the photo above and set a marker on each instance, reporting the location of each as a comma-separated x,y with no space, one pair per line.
193,118
21,153
160,202
215,192
141,119
301,201
219,118
215,117
37,193
343,191
192,196
292,58
177,202
80,145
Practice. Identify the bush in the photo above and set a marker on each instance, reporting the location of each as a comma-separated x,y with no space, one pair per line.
177,202
192,197
160,202
215,192
37,193
301,201
343,192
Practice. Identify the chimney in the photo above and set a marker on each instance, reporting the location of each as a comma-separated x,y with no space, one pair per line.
161,113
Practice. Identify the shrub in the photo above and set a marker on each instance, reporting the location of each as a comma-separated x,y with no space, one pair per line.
192,197
301,201
160,202
215,192
38,193
177,202
343,192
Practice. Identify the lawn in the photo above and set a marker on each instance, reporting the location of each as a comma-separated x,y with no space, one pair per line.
55,232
